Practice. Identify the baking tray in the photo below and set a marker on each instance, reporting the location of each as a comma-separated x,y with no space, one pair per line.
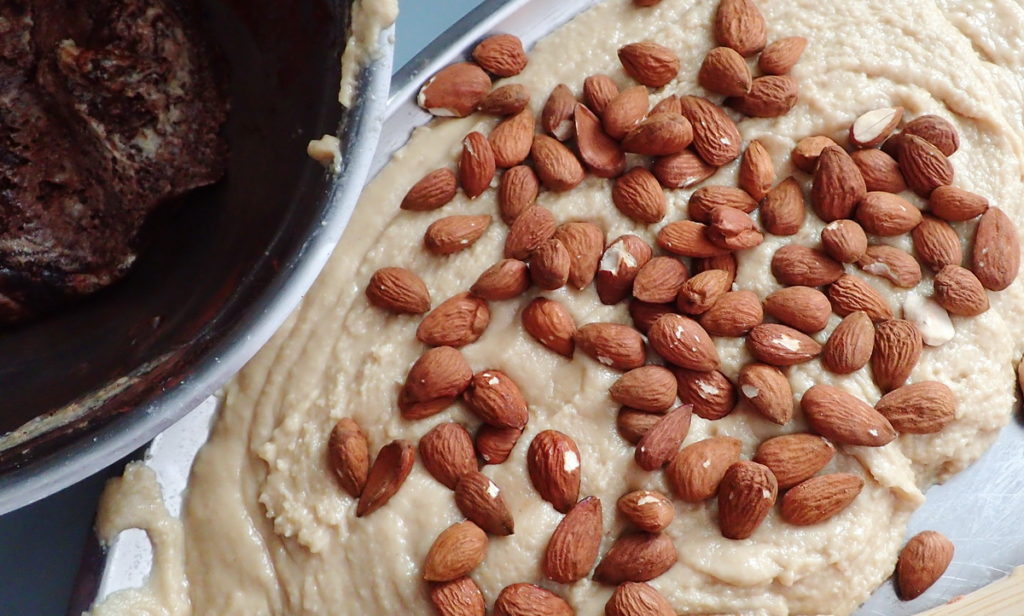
979,509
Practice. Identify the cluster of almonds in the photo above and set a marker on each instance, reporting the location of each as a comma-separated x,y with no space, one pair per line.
689,138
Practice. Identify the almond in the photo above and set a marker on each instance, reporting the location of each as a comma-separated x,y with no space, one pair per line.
649,63
924,166
924,407
398,290
849,347
495,445
532,228
476,165
779,57
705,200
644,314
599,152
660,134
530,600
897,349
740,25
584,242
506,100
803,308
780,345
512,138
480,500
715,136
648,510
501,55
598,91
767,389
658,446
731,229
895,265
447,453
553,462
387,474
617,346
794,458
938,131
639,197
820,498
438,377
549,265
699,293
555,164
852,293
505,279
434,190
634,424
922,562
838,185
875,126
724,71
960,292
733,315
725,262
517,191
619,265
461,597
770,96
669,104
637,598
459,549
757,171
808,150
881,172
572,550
683,342
458,321
453,234
496,399
551,324
557,116
688,239
930,318
348,456
799,265
782,209
647,388
995,256
682,170
624,111
455,90
711,394
659,280
636,557
745,497
844,418
886,214
956,204
844,240
697,470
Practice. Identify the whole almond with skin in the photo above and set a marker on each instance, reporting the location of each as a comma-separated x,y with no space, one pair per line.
669,104
660,134
530,600
780,56
844,418
715,136
880,171
820,498
517,191
644,314
770,96
658,446
960,292
724,71
711,393
348,456
624,111
851,294
613,345
461,597
599,152
573,548
553,462
512,138
898,347
740,25
799,265
438,377
501,55
872,128
647,388
637,598
780,345
726,262
480,500
782,209
886,214
398,290
634,424
532,228
844,240
649,63
459,549
505,100
683,342
648,510
551,324
639,197
955,204
455,90
734,314
936,130
922,562
636,557
387,474
659,280
496,399
924,407
447,453
682,170
434,190
895,265
808,150
794,458
757,171
706,199
732,229
849,347
838,185
995,255
453,234
505,279
803,308
584,242
697,470
598,91
456,322
556,165
495,445
699,293
549,265
619,265
767,389
476,165
688,239
746,495
924,166
557,116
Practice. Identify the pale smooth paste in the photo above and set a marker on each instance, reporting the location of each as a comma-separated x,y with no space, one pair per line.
267,529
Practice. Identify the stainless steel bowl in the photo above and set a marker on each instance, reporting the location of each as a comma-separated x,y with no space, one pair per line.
222,270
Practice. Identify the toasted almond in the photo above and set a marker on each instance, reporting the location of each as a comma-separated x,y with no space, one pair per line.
770,97
644,314
697,470
886,214
924,166
995,255
897,349
660,134
780,345
456,322
617,346
688,239
851,294
557,116
505,279
512,138
844,418
530,600
682,170
438,377
734,314
669,104
648,510
619,265
726,262
731,229
501,55
880,171
348,456
838,185
517,191
553,462
658,446
799,265
496,399
639,197
924,407
461,597
480,500
782,209
808,150
956,204
922,562
938,131
453,234
757,171
555,164
572,550
584,242
794,458
549,265
387,474
659,280
434,190
930,318
647,388
506,100
637,598
699,293
820,498
715,136
706,199
711,393
455,90
476,165
779,57
960,292
803,308
895,265
740,25
873,127
459,549
849,347
495,445
531,228
745,497
844,240
636,557
683,342
724,71
634,424
649,63
398,290
447,453
624,111
598,91
599,152
767,389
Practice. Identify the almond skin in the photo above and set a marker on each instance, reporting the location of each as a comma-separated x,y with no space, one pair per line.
506,100
820,498
757,171
844,418
922,562
637,598
555,164
779,345
924,407
799,265
731,229
936,130
724,71
549,265
496,399
886,214
459,549
634,424
770,96
659,280
530,600
599,152
697,470
803,308
838,185
551,324
447,453
532,228
624,111
639,197
706,199
794,458
898,347
844,240
501,55
348,456
712,395
455,90
573,548
453,234
619,266
779,57
553,461
556,117
617,346
767,389
648,510
584,242
937,243
688,239
849,347
745,497
715,136
644,315
683,342
511,139
895,265
434,381
995,256
505,279
960,292
647,388
880,171
434,190
598,91
387,474
733,315
517,191
874,127
461,597
398,290
495,445
808,150
456,322
924,166
476,165
782,210
699,293
660,134
955,204
649,63
851,294
682,170
727,263
658,446
669,104
740,25
480,500
636,557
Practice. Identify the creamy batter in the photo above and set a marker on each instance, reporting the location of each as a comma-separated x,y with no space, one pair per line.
268,531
